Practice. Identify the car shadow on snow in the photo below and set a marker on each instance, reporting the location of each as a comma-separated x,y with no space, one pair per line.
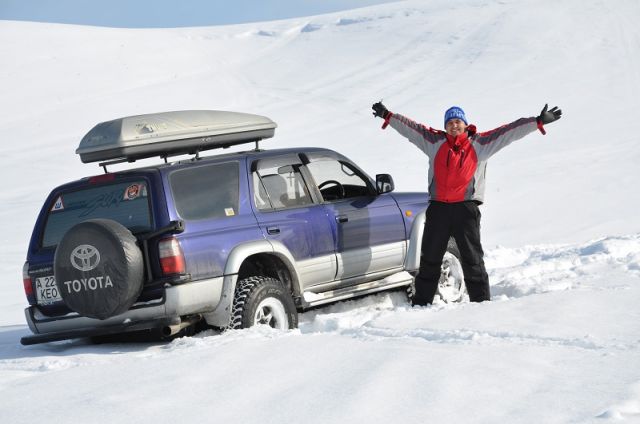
10,347
328,318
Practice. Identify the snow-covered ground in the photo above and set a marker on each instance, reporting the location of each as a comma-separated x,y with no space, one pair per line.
559,343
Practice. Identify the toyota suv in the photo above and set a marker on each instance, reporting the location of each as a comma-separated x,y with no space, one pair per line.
227,241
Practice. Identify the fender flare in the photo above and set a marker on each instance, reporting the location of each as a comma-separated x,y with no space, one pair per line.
219,317
414,249
242,251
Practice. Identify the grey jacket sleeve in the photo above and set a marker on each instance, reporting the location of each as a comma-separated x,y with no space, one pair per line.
425,138
491,142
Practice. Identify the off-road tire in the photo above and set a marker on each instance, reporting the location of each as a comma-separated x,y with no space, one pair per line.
452,252
452,267
270,296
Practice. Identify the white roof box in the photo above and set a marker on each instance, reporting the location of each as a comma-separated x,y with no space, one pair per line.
171,133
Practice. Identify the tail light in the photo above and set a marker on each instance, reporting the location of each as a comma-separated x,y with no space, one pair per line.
171,257
26,280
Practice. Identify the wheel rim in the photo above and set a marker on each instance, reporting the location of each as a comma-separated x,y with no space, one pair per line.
271,312
451,285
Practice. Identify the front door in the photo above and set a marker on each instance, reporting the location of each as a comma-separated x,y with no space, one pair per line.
368,228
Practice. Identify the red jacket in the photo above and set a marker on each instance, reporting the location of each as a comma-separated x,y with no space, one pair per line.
457,165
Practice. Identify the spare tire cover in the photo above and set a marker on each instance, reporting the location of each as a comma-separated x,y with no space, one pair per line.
99,268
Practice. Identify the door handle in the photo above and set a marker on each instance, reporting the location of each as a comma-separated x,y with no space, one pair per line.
273,230
342,218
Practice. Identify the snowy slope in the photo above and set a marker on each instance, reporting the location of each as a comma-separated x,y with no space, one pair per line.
560,341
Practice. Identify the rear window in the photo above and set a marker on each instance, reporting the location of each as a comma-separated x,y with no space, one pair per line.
206,192
126,203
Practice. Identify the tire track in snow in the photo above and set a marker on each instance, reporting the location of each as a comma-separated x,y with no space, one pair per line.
347,324
467,336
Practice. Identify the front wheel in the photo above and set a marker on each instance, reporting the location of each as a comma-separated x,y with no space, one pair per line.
451,287
263,301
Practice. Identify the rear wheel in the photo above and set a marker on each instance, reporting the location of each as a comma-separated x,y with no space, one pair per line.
263,301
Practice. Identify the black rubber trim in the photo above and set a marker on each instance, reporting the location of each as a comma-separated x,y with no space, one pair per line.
172,280
99,331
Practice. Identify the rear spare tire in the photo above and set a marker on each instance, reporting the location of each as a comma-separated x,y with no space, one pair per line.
99,268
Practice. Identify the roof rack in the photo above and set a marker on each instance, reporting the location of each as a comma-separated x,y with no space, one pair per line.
170,134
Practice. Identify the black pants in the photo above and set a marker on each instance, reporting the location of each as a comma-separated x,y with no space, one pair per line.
462,221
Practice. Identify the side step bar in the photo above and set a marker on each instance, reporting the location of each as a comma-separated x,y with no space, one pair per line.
399,279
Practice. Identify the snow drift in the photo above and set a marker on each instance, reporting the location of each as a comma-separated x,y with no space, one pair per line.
558,343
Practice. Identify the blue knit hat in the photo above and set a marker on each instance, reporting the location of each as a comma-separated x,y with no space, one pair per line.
454,112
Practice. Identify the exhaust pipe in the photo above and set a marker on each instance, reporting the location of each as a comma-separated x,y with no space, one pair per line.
170,330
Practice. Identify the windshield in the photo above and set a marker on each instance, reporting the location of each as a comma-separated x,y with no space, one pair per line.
126,203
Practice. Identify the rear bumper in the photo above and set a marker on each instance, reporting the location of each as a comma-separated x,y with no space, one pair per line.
98,331
197,297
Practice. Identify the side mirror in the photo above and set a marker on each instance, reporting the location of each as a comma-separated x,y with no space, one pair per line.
384,183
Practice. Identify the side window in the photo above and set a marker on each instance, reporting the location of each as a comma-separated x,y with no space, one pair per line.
338,180
278,187
205,192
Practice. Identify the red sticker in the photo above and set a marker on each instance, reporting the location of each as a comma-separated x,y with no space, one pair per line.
132,192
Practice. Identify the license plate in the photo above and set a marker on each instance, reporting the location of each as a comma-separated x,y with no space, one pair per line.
47,290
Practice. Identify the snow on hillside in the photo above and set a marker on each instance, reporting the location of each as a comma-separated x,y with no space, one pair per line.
559,342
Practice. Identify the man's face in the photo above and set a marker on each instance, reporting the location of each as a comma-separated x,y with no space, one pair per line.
455,127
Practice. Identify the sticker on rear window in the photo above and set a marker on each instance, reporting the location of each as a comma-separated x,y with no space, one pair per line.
229,211
58,205
134,191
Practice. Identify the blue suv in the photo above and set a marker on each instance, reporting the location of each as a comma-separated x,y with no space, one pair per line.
226,241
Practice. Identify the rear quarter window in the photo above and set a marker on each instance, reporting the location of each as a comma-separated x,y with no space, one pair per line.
124,202
207,191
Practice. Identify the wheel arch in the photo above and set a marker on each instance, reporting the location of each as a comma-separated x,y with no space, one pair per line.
414,249
269,265
244,258
271,258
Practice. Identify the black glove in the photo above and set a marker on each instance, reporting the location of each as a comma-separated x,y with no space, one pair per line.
548,116
380,110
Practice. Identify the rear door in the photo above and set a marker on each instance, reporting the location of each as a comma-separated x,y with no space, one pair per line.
289,213
124,199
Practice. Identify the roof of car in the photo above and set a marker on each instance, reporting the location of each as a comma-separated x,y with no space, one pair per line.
251,154
310,152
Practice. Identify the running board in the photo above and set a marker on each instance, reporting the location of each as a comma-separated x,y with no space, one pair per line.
399,279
